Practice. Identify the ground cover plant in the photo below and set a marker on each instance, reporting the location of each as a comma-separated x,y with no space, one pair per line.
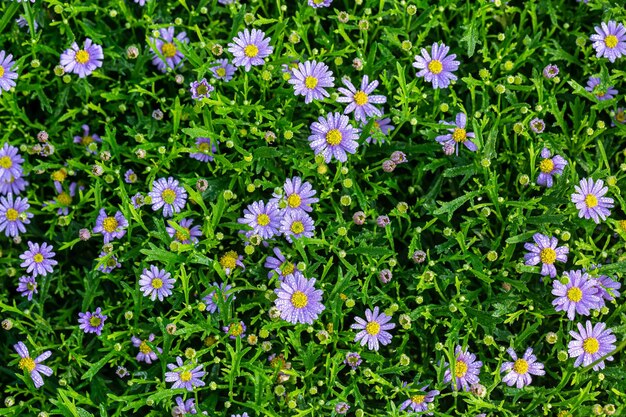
312,208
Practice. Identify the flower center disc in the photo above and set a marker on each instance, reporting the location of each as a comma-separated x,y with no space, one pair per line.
221,72
5,161
11,215
294,200
82,56
435,66
64,199
591,345
520,366
182,236
168,50
459,135
299,299
263,219
236,329
27,363
418,399
460,369
546,165
251,51
38,258
611,41
229,260
1,70
591,201
109,224
95,321
310,82
333,137
360,98
372,328
297,227
574,294
202,90
157,283
169,196
185,376
144,348
547,255
287,268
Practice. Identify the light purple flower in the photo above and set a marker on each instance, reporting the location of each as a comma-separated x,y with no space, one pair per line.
590,201
297,195
155,283
189,234
537,125
519,372
223,291
549,166
168,54
609,41
38,259
550,71
309,80
298,301
545,251
7,76
607,288
280,265
110,264
184,376
373,330
224,70
590,344
381,126
458,134
82,61
87,139
594,86
466,370
297,224
92,322
27,287
206,150
111,227
200,89
34,367
263,218
316,4
361,101
10,162
146,354
250,48
419,403
333,137
437,67
130,177
182,408
63,200
13,185
23,23
620,116
579,295
235,329
353,360
13,215
168,194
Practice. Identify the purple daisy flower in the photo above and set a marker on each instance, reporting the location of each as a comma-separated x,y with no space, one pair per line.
110,264
419,402
137,200
182,408
546,252
38,259
250,48
309,80
341,408
297,195
82,61
550,71
590,344
589,200
168,194
518,372
457,135
92,322
333,136
13,185
34,367
297,224
188,235
601,93
200,89
620,117
211,300
111,227
361,100
579,295
316,4
86,139
280,265
146,354
130,177
224,70
13,215
231,260
437,69
298,301
168,54
235,330
206,149
63,200
7,75
537,125
353,360
466,370
382,126
609,41
607,288
184,376
263,218
549,166
10,162
27,287
373,330
156,283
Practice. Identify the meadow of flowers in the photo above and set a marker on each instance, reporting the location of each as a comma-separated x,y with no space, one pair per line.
251,208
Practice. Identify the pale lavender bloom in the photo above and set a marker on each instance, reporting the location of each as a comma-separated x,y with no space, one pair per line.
590,201
224,70
156,283
10,162
206,149
184,376
263,218
130,177
33,366
590,344
458,134
141,2
190,234
13,185
280,265
309,80
550,71
235,330
373,330
82,61
183,408
298,301
250,48
333,137
38,259
609,41
13,215
466,370
341,408
27,287
361,101
607,288
297,195
437,69
200,89
22,22
353,360
211,300
297,224
146,354
7,77
86,138
110,264
549,166
546,252
316,4
579,295
537,125
92,322
594,87
111,227
382,126
168,194
63,200
168,54
419,403
137,200
519,372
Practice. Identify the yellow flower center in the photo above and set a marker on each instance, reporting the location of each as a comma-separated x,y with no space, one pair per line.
185,376
221,71
621,116
168,50
11,215
372,328
1,70
574,294
95,321
287,268
28,364
263,219
310,82
64,199
202,89
622,225
547,255
82,56
59,175
520,366
334,137
168,195
459,135
235,329
182,236
297,227
157,283
591,201
229,260
294,200
435,66
38,258
460,369
418,399
299,299
144,348
360,98
203,147
611,41
109,224
6,162
251,51
546,165
591,345
31,286
86,140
